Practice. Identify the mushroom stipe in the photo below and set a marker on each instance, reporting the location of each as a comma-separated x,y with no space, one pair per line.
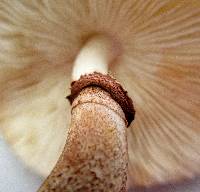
95,157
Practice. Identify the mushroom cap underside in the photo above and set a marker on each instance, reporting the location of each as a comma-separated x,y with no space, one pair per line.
159,66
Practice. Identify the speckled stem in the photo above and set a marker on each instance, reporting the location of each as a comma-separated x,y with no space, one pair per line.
95,155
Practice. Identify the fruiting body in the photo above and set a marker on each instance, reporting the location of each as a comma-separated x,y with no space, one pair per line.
159,66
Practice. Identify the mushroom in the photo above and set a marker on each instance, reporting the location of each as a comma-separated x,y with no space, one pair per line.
153,50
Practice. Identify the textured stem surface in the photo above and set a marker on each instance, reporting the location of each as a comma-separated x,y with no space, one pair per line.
95,155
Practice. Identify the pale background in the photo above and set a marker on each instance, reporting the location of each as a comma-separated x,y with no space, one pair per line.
14,177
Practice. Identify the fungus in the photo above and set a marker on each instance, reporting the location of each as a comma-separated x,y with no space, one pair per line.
154,52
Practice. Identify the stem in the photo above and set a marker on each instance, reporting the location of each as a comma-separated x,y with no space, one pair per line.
95,155
95,56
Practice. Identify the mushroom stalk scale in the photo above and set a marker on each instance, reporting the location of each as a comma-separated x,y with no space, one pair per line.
95,156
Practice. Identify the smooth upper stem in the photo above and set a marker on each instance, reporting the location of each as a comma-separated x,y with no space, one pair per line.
95,56
95,155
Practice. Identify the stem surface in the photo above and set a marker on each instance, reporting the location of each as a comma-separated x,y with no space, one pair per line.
95,155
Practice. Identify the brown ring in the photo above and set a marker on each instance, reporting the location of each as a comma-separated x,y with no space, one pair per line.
110,85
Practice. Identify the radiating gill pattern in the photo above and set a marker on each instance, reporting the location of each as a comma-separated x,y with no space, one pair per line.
159,66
